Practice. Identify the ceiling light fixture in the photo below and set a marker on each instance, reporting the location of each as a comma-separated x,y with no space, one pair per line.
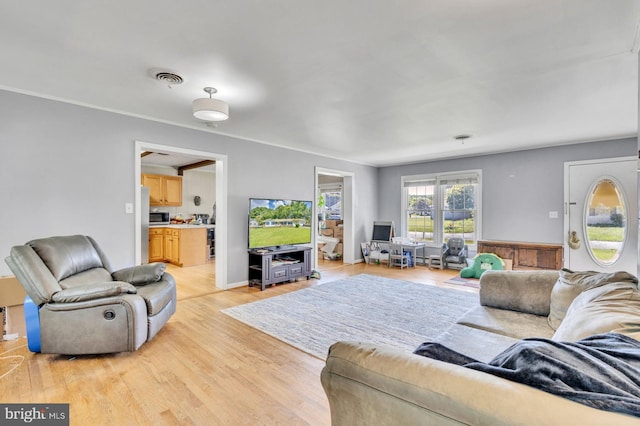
209,109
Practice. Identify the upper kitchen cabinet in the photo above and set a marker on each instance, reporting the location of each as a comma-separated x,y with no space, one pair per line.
164,190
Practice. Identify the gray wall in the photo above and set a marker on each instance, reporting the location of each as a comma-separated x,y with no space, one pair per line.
67,169
518,188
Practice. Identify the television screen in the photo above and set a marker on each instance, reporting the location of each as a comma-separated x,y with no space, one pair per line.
277,222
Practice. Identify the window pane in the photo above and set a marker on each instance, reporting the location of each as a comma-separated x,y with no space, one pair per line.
458,211
605,222
332,204
419,212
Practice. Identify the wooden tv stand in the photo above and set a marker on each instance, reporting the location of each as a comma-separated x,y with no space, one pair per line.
270,267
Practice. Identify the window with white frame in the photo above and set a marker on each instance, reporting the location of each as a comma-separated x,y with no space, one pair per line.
331,195
440,206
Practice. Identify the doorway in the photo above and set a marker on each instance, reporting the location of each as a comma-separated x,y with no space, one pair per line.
333,182
221,172
601,207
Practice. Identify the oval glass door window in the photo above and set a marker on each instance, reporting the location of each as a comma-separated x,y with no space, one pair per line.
605,222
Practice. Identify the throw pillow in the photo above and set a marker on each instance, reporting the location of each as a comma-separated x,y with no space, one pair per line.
614,307
570,284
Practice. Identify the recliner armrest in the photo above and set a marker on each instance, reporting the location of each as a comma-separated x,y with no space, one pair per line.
142,274
93,291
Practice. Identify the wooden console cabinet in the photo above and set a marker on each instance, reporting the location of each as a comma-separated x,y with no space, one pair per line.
280,265
525,255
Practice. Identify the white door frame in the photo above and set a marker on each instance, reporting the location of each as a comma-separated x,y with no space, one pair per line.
221,203
631,221
348,213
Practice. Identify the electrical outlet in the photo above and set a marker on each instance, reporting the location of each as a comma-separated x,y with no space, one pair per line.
553,215
128,208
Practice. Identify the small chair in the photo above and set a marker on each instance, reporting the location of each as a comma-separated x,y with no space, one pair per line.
454,253
77,305
434,261
397,256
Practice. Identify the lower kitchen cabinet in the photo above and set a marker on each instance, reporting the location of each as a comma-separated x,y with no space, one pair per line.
181,247
156,242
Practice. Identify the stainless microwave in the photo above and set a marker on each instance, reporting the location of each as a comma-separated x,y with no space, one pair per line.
159,218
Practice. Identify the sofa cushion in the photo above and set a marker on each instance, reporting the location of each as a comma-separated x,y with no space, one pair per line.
614,307
90,276
474,342
522,291
513,324
570,284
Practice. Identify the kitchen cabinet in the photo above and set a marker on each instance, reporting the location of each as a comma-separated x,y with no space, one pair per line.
180,246
156,243
168,245
164,190
175,247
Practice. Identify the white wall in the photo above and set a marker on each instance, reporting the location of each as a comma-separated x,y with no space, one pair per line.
71,171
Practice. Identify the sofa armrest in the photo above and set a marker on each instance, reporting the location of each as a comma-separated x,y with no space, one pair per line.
141,274
368,384
522,291
93,291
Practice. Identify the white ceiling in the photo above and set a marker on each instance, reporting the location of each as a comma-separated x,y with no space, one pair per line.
372,81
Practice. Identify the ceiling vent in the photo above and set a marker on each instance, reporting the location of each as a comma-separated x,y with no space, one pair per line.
169,78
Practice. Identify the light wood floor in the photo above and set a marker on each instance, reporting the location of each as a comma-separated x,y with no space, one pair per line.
203,368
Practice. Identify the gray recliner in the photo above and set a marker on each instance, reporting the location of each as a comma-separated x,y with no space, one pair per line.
82,306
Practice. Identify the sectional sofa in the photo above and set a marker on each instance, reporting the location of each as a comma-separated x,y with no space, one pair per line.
368,384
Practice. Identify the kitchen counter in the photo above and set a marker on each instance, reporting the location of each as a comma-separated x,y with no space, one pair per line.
183,226
180,244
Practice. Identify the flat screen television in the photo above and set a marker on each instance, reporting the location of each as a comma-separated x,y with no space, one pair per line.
277,223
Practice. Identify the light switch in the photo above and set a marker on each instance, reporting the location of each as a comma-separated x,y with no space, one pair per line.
128,208
553,215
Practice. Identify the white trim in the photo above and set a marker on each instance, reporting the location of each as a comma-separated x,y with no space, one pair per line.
221,202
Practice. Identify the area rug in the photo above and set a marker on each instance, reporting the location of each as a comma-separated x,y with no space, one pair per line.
363,308
467,282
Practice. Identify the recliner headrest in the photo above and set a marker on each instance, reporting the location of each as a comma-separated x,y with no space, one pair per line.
68,255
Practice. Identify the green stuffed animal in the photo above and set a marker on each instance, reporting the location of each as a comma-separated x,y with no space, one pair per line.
482,262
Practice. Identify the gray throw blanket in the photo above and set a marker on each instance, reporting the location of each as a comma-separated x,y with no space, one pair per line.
601,371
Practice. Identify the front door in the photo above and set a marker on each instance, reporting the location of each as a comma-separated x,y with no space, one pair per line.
601,207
